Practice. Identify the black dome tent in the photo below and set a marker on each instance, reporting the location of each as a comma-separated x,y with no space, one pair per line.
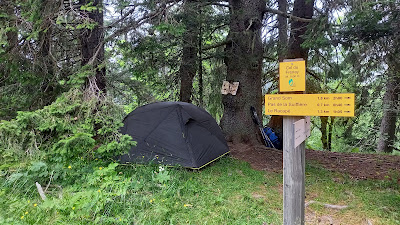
174,133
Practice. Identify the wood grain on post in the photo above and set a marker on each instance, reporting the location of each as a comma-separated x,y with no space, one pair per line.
293,175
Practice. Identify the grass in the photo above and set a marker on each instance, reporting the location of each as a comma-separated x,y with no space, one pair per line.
374,200
227,192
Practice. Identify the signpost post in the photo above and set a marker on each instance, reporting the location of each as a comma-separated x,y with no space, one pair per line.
296,129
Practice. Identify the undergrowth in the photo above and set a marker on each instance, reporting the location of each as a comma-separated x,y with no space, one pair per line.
145,194
59,145
70,147
74,128
226,192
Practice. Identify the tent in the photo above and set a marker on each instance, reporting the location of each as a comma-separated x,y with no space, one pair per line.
173,133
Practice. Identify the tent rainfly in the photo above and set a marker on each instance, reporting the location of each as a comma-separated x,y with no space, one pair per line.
173,133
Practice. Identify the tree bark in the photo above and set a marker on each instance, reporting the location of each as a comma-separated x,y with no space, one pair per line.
200,58
391,104
188,67
330,132
327,131
45,41
276,122
92,49
45,64
282,29
303,9
243,58
324,131
390,111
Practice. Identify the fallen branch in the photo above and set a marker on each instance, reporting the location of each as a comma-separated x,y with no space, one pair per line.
51,178
339,207
40,190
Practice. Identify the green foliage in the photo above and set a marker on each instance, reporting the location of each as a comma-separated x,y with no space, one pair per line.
162,176
171,29
67,149
370,22
71,143
64,131
152,194
89,7
78,79
86,25
146,194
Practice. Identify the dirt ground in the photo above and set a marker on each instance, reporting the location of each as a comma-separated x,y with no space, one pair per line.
356,165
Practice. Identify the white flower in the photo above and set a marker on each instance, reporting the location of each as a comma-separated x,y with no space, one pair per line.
160,168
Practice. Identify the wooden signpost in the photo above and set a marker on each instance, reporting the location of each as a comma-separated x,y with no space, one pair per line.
296,129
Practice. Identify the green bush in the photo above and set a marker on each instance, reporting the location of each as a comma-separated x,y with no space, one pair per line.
74,130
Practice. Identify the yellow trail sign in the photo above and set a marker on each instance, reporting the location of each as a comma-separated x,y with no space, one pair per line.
292,76
310,104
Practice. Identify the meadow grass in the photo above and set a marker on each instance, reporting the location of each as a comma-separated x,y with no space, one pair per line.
227,192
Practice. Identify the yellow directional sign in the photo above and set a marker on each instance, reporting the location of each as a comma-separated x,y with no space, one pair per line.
292,76
310,104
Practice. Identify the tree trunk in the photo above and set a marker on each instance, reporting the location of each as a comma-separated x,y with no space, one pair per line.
391,104
188,67
330,132
388,125
324,131
276,122
282,29
46,63
92,47
243,58
303,9
201,100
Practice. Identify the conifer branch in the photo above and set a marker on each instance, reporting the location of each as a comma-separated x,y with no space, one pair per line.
287,15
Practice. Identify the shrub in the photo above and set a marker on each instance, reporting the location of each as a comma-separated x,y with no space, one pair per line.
75,129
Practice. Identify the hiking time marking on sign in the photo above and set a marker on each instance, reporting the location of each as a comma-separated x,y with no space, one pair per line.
310,104
292,76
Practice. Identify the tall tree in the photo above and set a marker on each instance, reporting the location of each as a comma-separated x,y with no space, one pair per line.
376,25
46,60
243,59
92,44
28,60
302,9
282,30
298,28
190,38
391,106
391,99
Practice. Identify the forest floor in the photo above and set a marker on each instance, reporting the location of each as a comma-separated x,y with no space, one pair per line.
356,165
